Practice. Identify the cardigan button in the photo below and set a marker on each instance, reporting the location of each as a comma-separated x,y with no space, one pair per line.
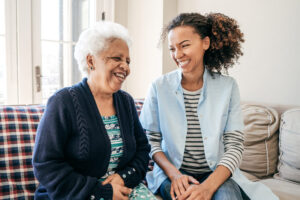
124,175
92,197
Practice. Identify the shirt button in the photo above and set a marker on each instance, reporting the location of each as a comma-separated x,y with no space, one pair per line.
92,197
205,138
124,175
129,172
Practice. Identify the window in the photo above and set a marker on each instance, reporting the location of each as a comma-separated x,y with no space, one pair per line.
37,40
61,24
2,54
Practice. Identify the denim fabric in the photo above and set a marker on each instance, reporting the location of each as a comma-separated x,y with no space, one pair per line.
229,190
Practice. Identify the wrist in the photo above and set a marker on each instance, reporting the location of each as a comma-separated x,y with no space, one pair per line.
174,174
210,186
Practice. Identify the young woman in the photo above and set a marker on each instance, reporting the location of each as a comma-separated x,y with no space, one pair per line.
192,115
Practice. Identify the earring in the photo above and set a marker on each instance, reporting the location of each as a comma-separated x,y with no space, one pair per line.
92,67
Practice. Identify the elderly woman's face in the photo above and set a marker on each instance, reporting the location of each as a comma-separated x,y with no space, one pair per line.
112,66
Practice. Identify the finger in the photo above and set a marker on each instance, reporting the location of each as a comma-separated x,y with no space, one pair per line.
176,189
125,190
186,194
107,180
193,180
124,197
181,186
185,183
193,197
172,192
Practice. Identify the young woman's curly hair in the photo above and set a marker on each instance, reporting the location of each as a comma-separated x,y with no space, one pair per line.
224,33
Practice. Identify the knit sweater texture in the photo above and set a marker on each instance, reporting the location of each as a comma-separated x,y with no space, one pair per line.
72,148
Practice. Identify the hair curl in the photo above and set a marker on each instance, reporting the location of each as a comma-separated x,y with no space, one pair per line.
94,39
224,33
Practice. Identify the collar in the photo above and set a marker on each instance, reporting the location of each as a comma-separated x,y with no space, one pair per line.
176,83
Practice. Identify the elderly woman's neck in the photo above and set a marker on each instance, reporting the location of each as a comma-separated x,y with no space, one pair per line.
98,92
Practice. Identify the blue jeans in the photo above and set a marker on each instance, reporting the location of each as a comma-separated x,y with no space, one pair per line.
229,190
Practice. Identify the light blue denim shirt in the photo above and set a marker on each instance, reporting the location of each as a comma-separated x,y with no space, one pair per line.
218,112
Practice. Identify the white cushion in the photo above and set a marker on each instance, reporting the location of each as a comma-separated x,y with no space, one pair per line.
289,146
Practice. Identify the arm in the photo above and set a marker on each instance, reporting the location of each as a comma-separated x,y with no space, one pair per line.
179,181
50,165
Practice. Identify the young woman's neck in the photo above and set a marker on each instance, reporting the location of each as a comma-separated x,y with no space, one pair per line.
193,80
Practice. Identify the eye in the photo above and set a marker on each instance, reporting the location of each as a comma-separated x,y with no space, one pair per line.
171,49
116,58
185,45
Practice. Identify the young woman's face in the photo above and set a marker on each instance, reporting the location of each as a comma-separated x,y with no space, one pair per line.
111,66
187,48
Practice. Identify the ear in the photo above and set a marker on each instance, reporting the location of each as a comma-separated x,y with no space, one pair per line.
206,43
90,60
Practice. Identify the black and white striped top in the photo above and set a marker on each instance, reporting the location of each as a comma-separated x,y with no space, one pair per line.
194,160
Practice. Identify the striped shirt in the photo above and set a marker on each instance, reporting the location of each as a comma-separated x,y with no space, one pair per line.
194,160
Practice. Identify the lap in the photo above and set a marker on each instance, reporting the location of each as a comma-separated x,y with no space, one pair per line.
141,192
228,190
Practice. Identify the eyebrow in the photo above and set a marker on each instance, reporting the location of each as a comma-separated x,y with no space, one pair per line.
184,41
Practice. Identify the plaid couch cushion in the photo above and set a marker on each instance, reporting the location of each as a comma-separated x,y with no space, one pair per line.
18,125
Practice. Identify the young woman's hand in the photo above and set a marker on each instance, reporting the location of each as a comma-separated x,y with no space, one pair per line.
180,183
114,178
120,192
196,192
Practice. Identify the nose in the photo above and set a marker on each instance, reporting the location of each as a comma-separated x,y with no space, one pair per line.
125,66
178,53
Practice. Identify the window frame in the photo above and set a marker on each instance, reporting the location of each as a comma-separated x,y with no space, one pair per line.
23,48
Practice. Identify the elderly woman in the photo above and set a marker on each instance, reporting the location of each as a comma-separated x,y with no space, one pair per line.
90,143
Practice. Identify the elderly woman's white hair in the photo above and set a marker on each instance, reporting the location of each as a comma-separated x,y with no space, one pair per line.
93,40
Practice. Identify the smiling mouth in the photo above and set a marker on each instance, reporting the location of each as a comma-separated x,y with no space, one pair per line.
182,63
120,75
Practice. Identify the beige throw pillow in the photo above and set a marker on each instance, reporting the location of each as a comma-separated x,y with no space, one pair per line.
261,140
289,146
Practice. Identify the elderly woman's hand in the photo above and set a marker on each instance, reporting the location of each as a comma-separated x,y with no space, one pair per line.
115,179
180,183
120,192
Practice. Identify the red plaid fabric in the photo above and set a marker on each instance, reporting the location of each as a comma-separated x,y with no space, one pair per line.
18,126
139,104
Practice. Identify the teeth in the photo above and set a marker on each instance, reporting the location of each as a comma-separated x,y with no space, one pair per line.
183,63
121,75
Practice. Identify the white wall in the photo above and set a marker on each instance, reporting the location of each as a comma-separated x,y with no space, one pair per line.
269,71
144,23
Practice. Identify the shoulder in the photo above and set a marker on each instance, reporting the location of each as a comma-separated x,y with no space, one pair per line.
221,80
167,81
124,96
168,77
60,96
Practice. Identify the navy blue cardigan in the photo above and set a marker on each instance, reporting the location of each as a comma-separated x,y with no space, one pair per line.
72,148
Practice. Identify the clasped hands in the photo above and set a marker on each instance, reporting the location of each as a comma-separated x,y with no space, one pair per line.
120,191
184,187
